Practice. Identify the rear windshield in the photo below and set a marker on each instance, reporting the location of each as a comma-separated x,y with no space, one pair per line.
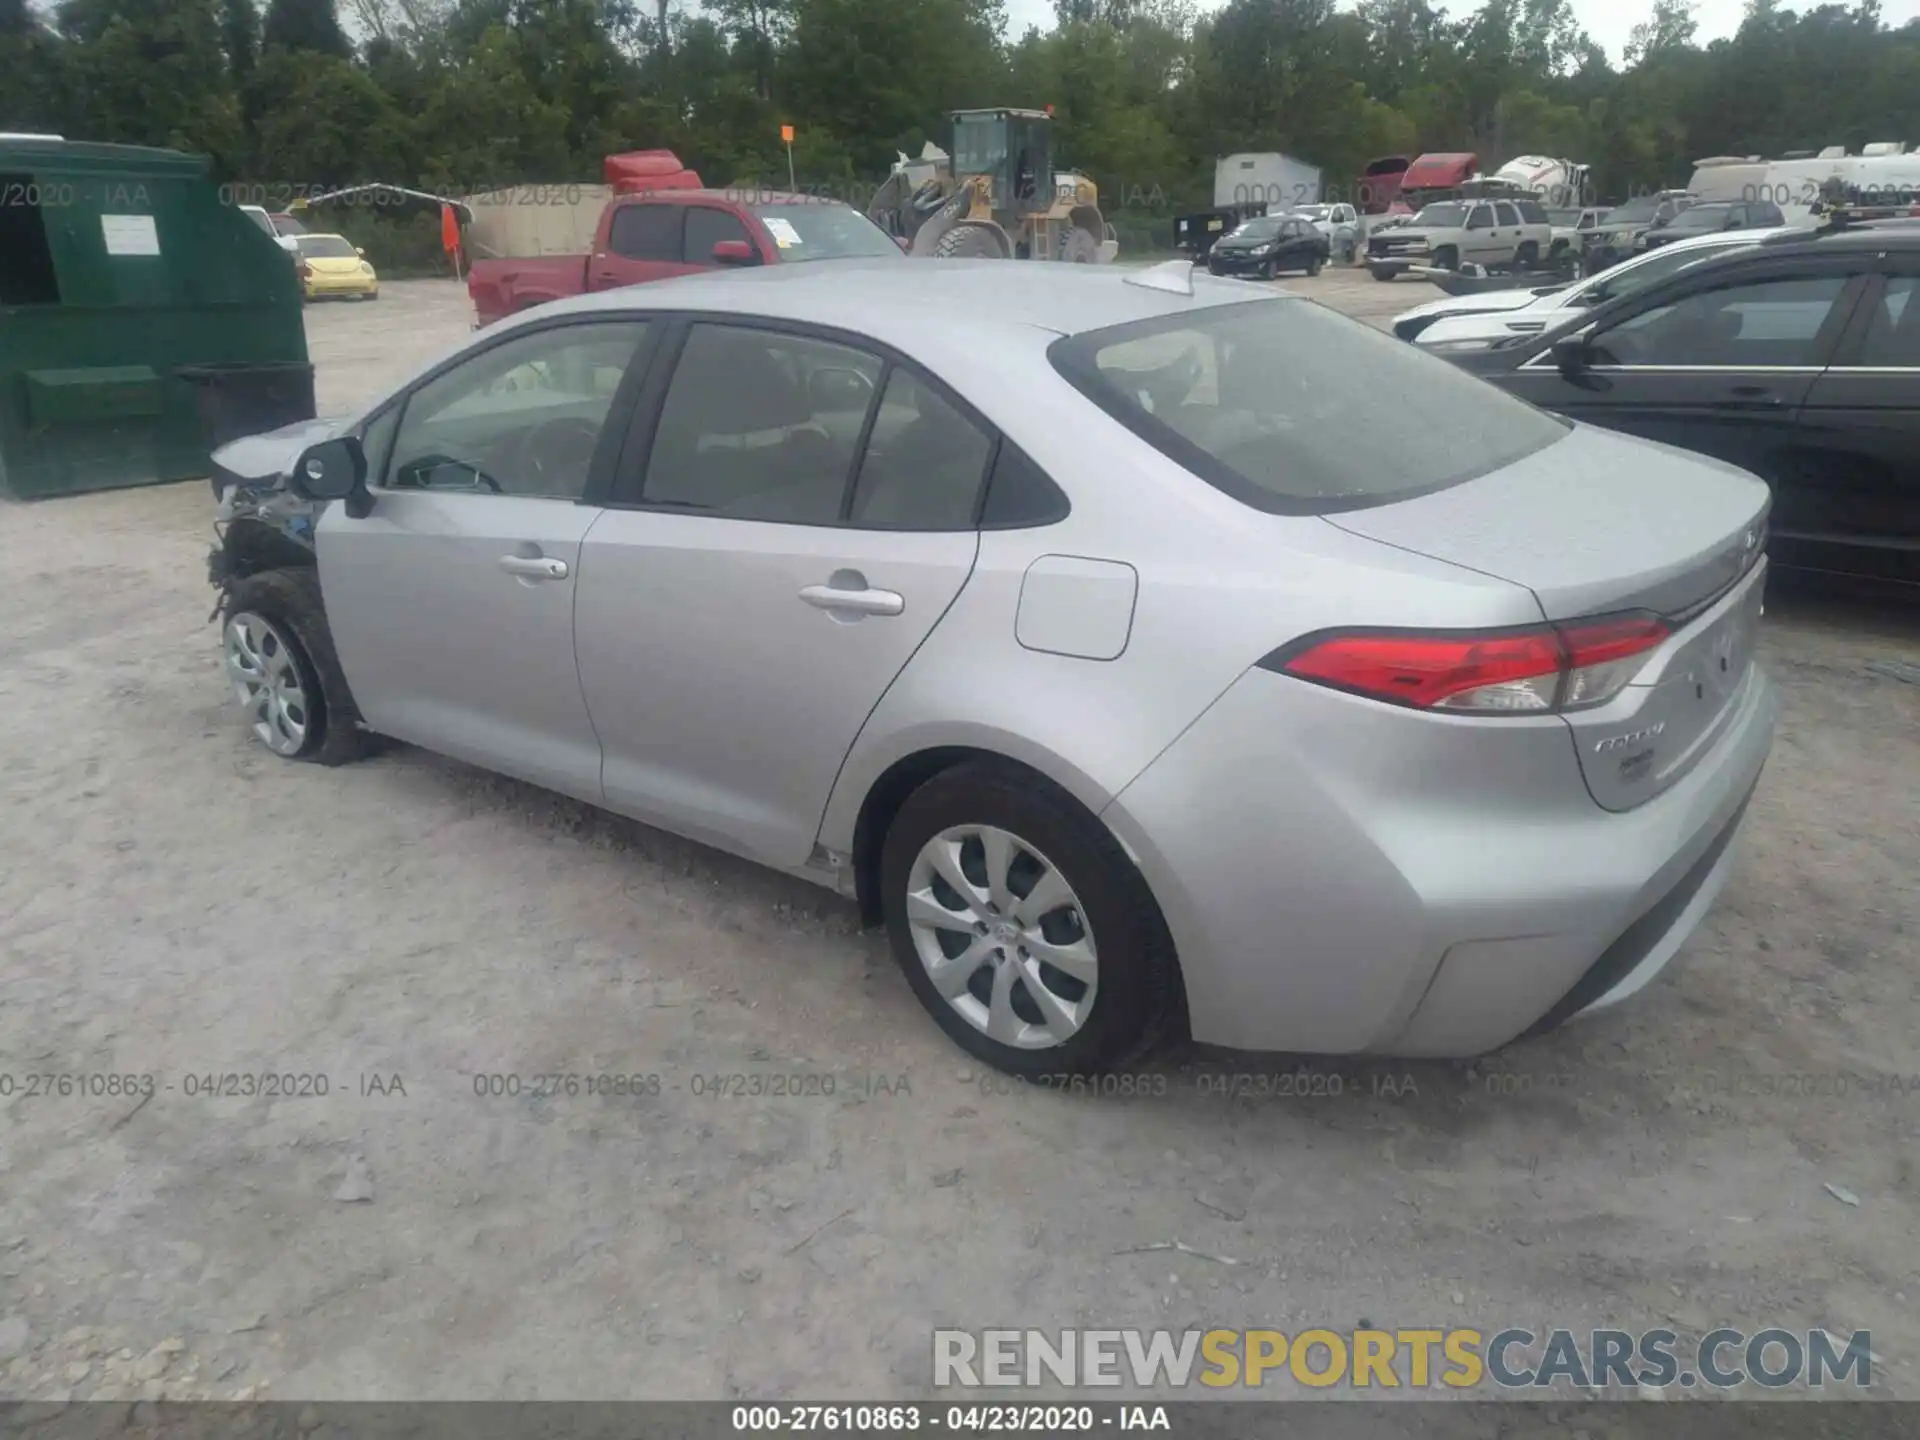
822,231
1294,409
325,247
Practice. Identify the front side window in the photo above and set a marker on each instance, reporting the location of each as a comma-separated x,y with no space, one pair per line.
1768,323
1637,275
646,232
521,418
1224,393
707,227
1481,218
760,425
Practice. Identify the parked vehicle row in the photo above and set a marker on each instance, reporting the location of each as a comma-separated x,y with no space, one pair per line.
1137,676
1475,320
1796,358
1497,234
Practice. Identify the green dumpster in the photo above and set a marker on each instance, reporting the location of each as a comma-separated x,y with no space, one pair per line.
125,281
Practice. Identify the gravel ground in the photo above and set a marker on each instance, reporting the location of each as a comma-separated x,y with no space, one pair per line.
176,904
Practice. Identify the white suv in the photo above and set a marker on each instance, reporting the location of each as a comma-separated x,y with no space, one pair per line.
1468,320
1496,234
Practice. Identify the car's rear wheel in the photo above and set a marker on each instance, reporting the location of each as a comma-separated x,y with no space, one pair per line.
280,660
1527,257
1022,926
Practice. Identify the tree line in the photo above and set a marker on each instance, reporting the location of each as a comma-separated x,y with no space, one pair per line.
454,95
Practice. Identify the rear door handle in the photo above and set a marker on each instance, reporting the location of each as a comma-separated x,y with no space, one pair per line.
534,567
856,602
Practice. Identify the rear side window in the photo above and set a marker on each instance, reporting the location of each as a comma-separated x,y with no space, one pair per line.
1293,409
1893,336
761,425
646,232
925,462
1508,215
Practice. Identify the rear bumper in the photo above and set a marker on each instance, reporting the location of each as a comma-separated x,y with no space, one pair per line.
1228,264
1343,877
341,285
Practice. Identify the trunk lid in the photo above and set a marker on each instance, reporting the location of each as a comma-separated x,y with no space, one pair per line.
1595,523
1600,523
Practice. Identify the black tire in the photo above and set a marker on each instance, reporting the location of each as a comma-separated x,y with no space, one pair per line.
1138,994
1383,276
1313,266
1446,258
290,599
1527,257
1268,271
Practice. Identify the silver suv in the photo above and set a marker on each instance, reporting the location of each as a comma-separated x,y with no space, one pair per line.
1497,234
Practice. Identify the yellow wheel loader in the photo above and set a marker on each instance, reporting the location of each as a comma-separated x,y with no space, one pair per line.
997,197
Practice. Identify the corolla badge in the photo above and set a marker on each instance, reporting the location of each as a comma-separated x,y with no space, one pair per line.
1620,742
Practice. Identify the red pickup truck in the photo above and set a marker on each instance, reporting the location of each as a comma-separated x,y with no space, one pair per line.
666,232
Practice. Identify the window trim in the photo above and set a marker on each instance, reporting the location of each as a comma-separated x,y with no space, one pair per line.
600,470
628,479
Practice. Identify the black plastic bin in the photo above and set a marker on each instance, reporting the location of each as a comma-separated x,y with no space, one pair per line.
250,398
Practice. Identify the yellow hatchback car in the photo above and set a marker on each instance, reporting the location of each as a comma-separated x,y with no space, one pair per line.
329,265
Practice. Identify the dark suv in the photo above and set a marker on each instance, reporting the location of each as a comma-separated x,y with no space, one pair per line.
1797,358
1709,219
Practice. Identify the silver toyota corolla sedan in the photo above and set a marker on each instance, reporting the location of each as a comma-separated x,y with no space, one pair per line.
1148,654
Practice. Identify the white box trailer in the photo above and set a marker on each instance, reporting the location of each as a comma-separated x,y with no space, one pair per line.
1277,181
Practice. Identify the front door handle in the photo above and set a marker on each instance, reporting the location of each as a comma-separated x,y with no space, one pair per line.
534,567
854,601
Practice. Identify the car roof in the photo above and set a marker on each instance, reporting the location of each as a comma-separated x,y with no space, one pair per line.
1891,233
914,303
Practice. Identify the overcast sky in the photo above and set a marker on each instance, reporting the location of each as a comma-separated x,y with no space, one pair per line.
1608,21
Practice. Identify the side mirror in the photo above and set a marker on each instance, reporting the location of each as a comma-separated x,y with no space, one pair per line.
733,252
358,251
1572,356
331,470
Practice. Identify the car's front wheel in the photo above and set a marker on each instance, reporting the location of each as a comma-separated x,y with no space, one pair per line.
1313,266
280,661
1023,927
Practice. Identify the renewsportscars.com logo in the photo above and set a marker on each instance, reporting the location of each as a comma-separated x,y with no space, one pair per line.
1458,1359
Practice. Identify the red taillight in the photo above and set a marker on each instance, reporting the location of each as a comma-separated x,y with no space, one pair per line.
1504,672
